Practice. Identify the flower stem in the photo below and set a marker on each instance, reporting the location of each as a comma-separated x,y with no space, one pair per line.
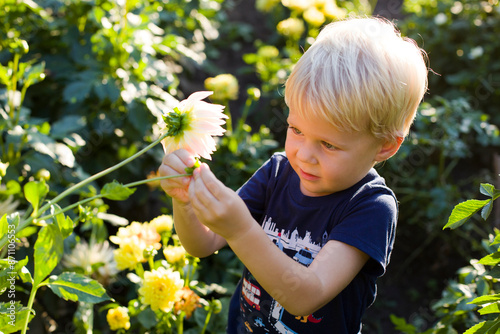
207,319
128,185
89,180
180,323
139,270
29,306
137,183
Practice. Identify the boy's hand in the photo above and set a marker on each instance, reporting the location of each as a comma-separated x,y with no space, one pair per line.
175,163
217,206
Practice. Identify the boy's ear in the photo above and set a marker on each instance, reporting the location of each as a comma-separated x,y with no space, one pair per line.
389,148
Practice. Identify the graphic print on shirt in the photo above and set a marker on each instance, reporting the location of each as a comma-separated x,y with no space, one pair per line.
251,293
303,250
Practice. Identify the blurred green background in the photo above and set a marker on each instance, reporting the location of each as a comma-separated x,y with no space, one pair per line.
83,82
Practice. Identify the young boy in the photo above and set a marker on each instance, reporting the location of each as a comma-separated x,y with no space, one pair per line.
315,225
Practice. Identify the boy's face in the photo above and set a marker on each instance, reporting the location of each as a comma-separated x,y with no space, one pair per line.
328,160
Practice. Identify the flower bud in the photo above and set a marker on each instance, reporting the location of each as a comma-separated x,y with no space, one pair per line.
224,86
314,17
291,27
253,93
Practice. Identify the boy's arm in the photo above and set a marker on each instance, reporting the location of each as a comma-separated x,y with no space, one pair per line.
300,290
195,237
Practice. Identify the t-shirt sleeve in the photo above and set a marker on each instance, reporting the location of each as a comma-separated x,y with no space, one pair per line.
370,225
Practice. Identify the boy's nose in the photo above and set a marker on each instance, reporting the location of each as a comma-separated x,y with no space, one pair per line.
306,154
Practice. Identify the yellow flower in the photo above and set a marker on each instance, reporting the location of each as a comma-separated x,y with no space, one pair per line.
152,185
225,87
130,253
291,27
174,254
333,12
268,51
163,223
189,301
144,231
192,124
161,289
297,5
314,17
118,318
266,5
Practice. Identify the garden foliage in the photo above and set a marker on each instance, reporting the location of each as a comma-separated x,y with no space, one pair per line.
82,87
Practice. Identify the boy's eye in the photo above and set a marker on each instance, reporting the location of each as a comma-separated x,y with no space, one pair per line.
328,146
295,130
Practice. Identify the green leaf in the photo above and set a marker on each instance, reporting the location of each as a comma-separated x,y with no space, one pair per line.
485,327
496,240
491,259
489,309
13,323
4,75
8,225
116,191
463,211
10,269
487,189
486,299
4,225
65,223
77,287
147,318
66,125
485,212
34,74
77,91
48,251
401,325
34,192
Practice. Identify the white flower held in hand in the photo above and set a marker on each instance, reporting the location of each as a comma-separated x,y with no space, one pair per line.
192,124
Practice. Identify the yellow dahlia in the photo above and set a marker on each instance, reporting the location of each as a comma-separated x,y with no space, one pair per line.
291,27
161,288
118,318
314,17
130,253
144,231
163,223
175,254
297,5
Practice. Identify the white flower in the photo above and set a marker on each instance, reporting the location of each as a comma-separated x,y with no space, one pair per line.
94,259
192,124
440,19
476,52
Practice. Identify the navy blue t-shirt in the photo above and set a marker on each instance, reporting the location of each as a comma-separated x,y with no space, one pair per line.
363,216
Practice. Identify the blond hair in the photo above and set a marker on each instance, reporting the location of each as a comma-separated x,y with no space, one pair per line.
359,75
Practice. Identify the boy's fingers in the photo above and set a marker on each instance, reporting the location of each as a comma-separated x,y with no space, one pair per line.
200,191
186,157
199,196
214,186
178,161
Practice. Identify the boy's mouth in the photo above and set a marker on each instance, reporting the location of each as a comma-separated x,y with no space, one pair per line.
306,176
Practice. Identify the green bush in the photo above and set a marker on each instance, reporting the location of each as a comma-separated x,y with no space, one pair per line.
461,38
